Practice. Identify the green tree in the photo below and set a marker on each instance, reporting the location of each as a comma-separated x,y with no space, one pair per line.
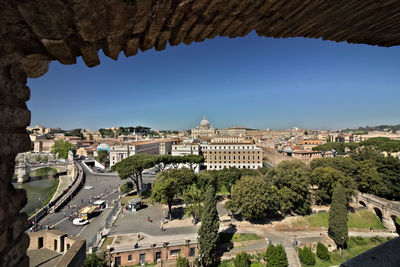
208,232
62,148
193,198
206,178
276,256
126,187
326,178
369,180
228,177
242,260
102,155
347,165
338,217
184,178
293,182
93,260
164,190
255,198
322,252
181,262
132,167
306,255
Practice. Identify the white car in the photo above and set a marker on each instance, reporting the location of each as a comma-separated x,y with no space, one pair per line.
79,221
89,187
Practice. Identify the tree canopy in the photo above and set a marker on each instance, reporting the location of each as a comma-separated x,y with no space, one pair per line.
326,179
255,198
62,148
132,167
292,178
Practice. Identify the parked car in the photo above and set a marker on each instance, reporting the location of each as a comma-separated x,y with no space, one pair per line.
79,221
89,187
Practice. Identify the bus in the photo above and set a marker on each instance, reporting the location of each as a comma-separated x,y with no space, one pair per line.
86,212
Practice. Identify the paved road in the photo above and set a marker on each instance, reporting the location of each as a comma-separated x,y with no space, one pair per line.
103,184
136,222
106,185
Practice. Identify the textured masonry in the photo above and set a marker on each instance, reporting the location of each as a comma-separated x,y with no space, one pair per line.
13,139
35,32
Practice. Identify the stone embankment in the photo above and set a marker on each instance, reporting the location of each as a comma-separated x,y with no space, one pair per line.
60,198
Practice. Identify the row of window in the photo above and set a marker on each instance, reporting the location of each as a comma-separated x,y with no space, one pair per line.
174,252
234,152
228,147
234,157
216,167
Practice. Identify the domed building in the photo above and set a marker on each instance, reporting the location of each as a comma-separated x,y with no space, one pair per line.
204,130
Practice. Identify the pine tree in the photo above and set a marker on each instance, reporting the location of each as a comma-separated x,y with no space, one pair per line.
208,232
338,217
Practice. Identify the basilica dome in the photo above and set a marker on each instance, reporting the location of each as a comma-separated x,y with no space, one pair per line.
204,123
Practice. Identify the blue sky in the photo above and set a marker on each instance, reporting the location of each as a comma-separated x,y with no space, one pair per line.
253,81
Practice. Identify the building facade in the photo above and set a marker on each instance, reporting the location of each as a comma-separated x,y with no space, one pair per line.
218,156
203,130
234,131
149,253
184,149
153,147
43,145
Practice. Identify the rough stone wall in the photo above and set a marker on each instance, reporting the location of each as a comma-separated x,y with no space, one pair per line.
38,31
13,139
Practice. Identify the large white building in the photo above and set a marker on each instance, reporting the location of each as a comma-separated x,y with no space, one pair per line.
239,153
153,147
204,130
184,149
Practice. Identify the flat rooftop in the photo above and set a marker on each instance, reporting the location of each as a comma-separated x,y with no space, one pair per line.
43,257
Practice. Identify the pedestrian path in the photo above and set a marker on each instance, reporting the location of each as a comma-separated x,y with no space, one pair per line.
63,183
292,257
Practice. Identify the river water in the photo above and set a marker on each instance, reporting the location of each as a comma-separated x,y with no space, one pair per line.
37,191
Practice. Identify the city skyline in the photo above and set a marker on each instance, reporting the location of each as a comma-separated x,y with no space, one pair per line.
252,82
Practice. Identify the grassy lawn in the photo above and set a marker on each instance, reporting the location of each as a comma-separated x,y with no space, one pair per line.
356,246
106,242
227,237
359,219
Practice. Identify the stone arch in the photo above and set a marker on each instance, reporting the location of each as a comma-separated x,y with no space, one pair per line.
396,221
362,203
379,213
35,33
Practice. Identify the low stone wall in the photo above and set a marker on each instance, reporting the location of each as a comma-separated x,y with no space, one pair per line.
57,202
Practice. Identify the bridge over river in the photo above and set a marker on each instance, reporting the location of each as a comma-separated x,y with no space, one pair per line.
23,170
388,211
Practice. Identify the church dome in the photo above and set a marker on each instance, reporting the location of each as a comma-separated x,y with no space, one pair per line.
204,123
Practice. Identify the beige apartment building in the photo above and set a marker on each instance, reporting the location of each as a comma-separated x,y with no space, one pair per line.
153,147
43,145
240,153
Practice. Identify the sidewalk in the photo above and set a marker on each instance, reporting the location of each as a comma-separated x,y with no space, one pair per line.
63,183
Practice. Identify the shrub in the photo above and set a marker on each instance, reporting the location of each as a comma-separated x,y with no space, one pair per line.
242,260
126,187
181,262
306,255
276,256
322,252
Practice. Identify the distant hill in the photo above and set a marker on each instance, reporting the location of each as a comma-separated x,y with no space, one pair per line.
393,128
